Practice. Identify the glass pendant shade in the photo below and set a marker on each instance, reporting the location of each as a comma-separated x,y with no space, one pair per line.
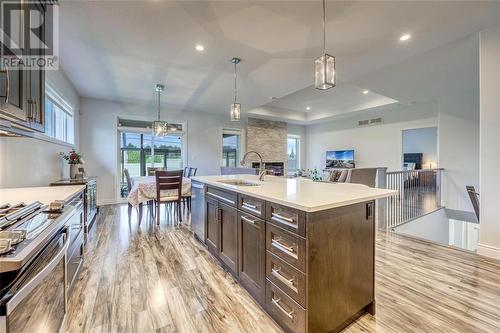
235,112
324,72
160,128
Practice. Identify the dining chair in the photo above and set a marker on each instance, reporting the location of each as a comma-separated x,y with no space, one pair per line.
188,173
168,181
129,188
152,170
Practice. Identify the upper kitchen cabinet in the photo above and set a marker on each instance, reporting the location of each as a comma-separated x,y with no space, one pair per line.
22,90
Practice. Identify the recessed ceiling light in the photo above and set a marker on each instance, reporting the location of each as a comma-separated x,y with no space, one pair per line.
199,47
404,37
365,92
308,108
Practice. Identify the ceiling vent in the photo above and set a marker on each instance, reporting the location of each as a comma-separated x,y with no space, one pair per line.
370,122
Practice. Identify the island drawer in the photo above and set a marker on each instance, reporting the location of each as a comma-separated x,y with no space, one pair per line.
252,205
227,197
287,218
287,278
286,246
285,310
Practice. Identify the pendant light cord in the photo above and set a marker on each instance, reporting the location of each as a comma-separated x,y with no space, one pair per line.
159,92
324,26
235,91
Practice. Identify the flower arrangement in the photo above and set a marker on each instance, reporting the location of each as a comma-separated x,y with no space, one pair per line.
73,157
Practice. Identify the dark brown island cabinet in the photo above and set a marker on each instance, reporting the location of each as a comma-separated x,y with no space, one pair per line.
90,208
311,271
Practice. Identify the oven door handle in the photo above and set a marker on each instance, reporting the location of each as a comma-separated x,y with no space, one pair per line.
37,279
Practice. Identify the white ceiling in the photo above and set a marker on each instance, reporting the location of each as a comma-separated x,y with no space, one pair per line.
118,50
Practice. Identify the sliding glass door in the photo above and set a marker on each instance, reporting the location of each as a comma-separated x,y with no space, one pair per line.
139,151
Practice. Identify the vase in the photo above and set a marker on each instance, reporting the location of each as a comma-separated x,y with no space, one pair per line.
73,171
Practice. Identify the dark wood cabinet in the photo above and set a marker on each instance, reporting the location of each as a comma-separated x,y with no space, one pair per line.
251,256
311,271
212,224
22,90
228,235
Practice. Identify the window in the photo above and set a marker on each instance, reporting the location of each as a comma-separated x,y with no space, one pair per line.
59,122
293,153
139,151
231,147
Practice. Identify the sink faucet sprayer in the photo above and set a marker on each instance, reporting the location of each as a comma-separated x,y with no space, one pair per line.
262,171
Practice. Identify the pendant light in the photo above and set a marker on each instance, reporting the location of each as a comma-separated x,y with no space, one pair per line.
235,107
324,66
160,128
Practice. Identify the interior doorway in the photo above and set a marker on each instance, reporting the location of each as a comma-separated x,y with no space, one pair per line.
420,148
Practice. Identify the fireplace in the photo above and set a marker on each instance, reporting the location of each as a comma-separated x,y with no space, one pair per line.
275,168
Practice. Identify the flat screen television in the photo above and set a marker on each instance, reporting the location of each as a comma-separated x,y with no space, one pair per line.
340,159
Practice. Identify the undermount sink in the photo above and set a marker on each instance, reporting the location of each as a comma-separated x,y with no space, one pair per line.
238,182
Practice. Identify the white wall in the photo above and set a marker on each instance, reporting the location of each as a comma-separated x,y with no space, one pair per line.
375,146
458,133
33,162
457,119
422,140
99,142
489,240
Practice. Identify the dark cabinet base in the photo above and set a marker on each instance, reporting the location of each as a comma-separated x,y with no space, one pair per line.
312,272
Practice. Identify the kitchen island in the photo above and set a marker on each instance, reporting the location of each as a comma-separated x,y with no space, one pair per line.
304,250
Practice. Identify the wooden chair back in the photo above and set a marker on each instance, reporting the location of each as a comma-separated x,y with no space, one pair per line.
168,180
190,172
127,177
152,170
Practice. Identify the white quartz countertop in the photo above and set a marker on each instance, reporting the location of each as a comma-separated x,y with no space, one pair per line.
300,193
44,194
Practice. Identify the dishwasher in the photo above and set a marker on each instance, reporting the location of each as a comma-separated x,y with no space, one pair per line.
198,210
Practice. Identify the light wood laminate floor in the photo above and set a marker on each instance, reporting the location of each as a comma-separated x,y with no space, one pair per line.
148,278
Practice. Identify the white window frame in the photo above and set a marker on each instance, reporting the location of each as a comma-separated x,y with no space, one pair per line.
55,98
297,153
235,131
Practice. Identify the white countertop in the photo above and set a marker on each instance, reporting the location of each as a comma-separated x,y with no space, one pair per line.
44,194
300,193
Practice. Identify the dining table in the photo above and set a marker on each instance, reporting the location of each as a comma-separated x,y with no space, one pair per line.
143,190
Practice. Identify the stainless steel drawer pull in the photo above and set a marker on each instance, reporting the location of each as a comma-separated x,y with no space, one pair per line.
250,207
284,220
221,198
246,219
276,302
284,248
288,282
247,205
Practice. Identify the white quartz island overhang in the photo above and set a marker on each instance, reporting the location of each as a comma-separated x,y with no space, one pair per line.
300,193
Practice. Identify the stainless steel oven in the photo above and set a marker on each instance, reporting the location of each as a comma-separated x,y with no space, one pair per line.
36,298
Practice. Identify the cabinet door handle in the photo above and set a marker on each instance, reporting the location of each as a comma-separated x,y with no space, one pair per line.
249,206
276,302
289,282
246,219
284,220
284,248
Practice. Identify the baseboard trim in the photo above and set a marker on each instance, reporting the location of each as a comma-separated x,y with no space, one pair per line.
488,251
